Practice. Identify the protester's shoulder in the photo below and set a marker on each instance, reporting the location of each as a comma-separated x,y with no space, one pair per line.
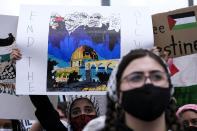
95,124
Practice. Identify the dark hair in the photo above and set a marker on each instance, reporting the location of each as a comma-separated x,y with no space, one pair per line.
115,114
62,106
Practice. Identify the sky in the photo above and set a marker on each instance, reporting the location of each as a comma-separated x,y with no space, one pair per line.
11,7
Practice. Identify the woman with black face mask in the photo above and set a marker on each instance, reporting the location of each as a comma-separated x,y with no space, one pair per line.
188,117
139,95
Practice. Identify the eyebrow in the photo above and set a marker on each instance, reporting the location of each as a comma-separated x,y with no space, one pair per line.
76,108
88,107
137,72
154,71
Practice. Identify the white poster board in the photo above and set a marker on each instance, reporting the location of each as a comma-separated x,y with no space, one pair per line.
134,25
12,106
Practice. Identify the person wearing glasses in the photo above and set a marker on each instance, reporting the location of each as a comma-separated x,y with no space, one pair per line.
139,96
188,116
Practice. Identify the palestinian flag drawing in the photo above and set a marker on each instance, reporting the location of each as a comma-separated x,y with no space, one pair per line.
7,67
6,44
182,20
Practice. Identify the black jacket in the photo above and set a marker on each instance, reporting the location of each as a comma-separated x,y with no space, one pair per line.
46,114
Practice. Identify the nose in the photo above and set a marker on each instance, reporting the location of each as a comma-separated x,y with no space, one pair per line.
148,81
82,112
190,124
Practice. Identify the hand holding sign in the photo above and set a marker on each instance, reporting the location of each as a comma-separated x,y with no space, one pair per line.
15,54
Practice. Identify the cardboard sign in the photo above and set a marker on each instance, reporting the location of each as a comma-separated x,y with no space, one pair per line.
175,31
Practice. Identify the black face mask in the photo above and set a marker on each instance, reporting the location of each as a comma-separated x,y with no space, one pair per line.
147,102
191,128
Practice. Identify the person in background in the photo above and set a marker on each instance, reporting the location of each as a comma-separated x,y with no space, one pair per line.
47,114
10,125
188,116
61,109
81,110
139,96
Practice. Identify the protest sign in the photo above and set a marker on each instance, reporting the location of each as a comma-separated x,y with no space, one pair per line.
12,106
72,50
8,26
174,31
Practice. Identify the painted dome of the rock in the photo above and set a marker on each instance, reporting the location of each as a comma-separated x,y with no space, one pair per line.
84,52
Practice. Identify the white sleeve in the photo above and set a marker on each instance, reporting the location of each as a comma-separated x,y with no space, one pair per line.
95,124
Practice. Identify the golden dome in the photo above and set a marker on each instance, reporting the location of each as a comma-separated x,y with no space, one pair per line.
84,52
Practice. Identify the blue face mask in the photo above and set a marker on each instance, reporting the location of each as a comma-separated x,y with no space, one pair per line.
191,128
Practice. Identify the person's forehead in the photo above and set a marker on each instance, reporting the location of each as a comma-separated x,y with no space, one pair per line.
81,103
143,64
188,115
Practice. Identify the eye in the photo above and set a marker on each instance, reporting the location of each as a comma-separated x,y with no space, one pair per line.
185,123
88,110
194,121
135,78
76,112
158,76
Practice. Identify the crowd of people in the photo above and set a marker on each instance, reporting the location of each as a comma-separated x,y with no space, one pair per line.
139,98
